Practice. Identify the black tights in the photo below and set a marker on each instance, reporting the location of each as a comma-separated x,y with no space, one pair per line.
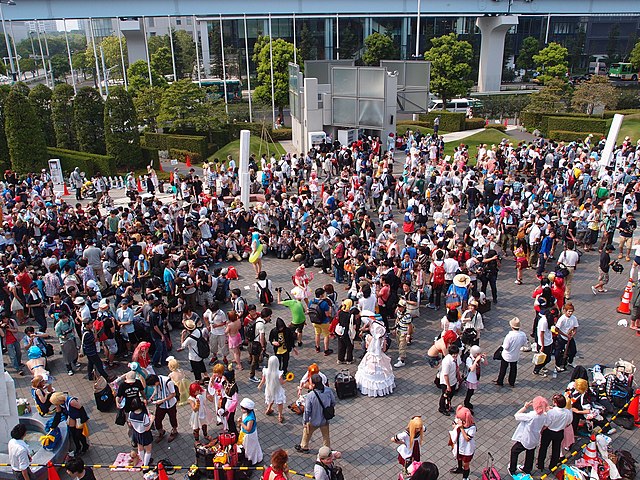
79,440
467,398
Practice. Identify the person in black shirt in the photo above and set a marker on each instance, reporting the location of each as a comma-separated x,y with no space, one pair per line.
473,194
490,273
157,334
603,270
76,469
131,388
627,226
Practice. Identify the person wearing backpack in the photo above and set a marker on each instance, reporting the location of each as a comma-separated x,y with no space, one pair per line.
320,316
255,335
319,409
192,340
437,280
263,289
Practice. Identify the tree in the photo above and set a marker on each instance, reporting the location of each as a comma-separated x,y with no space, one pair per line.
550,99
215,55
184,50
348,41
138,77
378,47
156,42
551,62
112,58
5,161
88,116
307,48
60,65
25,138
121,134
62,114
634,56
40,98
80,64
596,91
147,103
181,105
161,61
282,56
530,47
450,66
28,65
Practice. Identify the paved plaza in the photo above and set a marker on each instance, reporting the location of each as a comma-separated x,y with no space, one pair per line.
363,426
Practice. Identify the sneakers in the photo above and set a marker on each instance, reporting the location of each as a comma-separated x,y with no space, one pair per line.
399,363
560,369
70,373
593,289
540,373
254,380
328,352
317,349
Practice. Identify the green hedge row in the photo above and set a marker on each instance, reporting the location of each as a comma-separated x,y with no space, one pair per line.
281,134
164,141
496,126
414,122
568,136
181,155
575,124
150,156
90,163
611,113
473,123
449,121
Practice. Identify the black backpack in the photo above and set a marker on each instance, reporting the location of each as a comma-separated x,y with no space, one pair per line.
202,346
250,335
316,315
626,464
265,296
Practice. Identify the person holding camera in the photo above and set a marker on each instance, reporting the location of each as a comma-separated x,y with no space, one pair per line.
65,331
8,331
325,467
491,266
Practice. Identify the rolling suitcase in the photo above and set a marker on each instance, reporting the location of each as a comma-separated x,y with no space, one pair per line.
345,385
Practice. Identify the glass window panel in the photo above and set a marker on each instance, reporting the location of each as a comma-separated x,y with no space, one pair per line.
345,81
371,113
417,74
371,83
344,111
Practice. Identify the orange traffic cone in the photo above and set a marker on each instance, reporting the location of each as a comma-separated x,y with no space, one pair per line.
188,160
52,473
160,166
633,408
139,185
162,473
625,300
65,190
589,456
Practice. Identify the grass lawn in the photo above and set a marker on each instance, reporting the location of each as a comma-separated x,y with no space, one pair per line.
630,127
489,136
256,146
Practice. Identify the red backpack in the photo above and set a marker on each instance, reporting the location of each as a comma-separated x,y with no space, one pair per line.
438,275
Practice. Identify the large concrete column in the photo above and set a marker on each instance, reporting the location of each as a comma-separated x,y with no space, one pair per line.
493,31
133,33
244,180
404,33
329,36
204,44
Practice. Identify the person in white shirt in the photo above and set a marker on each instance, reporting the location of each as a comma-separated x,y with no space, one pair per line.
216,319
511,345
566,326
527,434
19,457
463,439
188,340
569,258
544,338
558,418
448,377
164,398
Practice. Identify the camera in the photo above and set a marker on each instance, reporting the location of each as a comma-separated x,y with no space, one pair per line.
278,289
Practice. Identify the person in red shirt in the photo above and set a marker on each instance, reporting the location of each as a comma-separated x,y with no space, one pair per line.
8,329
24,279
278,470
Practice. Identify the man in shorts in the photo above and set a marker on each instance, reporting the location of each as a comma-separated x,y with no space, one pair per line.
216,319
321,329
298,318
603,271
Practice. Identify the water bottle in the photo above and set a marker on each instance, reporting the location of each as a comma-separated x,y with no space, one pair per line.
554,374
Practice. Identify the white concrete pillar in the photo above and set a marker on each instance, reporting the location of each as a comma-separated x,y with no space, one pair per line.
244,167
607,152
8,407
204,44
328,38
493,31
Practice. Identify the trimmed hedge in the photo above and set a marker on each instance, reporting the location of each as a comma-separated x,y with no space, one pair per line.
414,122
496,126
473,123
449,121
165,141
567,136
90,163
181,155
540,121
281,134
255,129
611,113
575,124
150,156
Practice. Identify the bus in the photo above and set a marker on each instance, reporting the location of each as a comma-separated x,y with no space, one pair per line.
458,105
215,89
623,71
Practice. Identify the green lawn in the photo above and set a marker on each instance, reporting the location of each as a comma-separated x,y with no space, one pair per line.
257,147
630,127
489,136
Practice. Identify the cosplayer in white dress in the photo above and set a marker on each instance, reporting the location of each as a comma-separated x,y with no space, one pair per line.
375,375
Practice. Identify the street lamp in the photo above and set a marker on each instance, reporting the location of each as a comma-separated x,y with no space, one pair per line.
6,36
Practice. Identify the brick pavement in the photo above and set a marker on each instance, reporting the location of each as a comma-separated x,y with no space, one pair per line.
364,426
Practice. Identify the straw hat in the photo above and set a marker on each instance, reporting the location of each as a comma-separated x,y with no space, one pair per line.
461,280
515,323
189,325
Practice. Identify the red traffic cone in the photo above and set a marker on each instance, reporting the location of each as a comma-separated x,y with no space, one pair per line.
633,408
160,166
139,185
52,473
65,190
625,300
589,456
171,178
162,473
188,160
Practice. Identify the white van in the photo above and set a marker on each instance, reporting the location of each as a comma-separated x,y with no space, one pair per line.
458,105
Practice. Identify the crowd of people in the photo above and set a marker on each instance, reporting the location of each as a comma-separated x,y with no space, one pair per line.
397,232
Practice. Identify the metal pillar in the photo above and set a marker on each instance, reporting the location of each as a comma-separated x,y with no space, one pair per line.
224,70
337,37
195,39
6,39
204,45
124,69
273,89
146,50
95,56
44,65
417,52
404,34
15,49
66,39
246,51
328,38
173,55
295,55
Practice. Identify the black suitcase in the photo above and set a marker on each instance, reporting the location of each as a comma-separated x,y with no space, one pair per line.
484,307
345,385
105,401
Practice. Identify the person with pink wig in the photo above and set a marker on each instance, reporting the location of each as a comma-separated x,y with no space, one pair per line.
527,434
463,441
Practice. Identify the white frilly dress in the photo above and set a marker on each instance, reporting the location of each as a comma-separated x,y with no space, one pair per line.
375,375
